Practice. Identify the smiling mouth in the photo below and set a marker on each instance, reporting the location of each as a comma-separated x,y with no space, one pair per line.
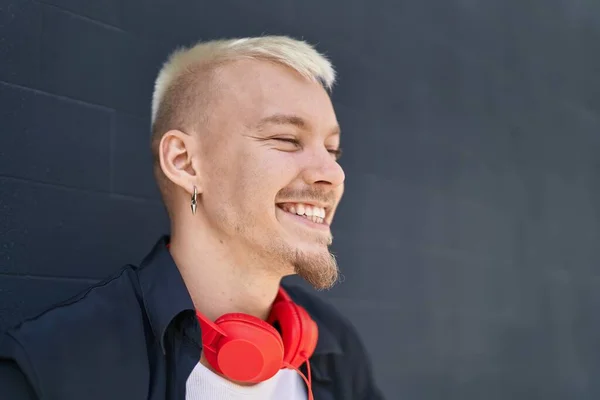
312,213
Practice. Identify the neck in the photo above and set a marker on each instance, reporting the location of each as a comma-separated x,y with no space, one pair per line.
220,279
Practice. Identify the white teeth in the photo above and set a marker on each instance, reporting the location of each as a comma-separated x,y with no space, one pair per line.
315,214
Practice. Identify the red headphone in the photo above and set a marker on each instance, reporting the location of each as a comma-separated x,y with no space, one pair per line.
245,348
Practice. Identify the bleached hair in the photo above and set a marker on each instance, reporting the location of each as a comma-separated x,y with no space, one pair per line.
293,53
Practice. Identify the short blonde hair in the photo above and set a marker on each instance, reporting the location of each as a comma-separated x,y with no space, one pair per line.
177,92
296,54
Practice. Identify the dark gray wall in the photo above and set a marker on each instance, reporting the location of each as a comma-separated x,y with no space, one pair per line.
468,233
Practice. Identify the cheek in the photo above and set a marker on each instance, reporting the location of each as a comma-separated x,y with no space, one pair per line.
247,183
261,182
267,167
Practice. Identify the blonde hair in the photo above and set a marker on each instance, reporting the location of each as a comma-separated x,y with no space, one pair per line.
296,54
178,95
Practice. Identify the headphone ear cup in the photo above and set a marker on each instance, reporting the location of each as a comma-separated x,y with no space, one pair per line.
299,332
250,351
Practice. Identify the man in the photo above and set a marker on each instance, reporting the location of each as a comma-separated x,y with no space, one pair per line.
246,142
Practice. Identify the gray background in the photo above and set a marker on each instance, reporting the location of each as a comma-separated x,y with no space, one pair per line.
468,233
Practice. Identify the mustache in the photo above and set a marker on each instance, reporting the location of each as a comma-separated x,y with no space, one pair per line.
309,194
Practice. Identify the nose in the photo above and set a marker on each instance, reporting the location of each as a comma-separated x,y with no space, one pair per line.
322,168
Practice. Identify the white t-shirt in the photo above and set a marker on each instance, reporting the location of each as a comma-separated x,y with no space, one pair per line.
203,384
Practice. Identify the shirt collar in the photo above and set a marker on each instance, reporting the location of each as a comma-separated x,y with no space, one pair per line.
327,343
164,292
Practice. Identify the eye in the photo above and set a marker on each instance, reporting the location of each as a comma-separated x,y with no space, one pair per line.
336,153
288,144
288,140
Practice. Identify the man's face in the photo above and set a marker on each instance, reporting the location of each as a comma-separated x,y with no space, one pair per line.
269,155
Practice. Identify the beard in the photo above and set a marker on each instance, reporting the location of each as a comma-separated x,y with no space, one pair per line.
318,267
319,270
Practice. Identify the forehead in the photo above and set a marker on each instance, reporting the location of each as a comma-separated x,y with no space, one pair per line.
251,90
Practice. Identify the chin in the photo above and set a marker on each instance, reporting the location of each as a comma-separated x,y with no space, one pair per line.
309,258
319,269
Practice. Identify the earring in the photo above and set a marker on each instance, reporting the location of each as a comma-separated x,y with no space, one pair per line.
194,201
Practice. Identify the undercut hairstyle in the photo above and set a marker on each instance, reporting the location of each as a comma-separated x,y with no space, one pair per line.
182,87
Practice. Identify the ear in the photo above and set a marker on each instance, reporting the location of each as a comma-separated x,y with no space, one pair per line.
178,153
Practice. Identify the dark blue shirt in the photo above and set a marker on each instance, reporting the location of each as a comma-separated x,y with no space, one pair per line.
135,336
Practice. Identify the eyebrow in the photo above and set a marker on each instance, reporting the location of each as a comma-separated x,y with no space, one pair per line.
285,119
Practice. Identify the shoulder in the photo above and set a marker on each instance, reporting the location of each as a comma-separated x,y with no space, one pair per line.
96,305
88,333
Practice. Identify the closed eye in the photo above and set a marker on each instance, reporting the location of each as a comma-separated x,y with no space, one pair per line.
337,153
288,140
287,144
